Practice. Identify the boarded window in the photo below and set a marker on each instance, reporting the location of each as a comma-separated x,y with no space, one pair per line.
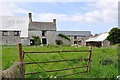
5,33
16,33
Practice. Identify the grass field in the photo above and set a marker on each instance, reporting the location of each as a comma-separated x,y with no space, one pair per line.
104,61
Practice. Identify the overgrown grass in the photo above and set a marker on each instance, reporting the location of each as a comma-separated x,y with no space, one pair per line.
104,61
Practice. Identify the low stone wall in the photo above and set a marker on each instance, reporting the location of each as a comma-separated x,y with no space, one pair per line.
15,71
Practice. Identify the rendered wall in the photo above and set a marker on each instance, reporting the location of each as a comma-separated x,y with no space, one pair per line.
25,41
51,36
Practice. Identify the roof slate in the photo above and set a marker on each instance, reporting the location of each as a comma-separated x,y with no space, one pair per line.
75,33
42,26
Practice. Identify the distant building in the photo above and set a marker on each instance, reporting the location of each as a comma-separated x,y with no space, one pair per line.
77,37
98,40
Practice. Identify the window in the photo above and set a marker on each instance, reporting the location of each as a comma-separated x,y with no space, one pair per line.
5,33
16,33
43,33
75,37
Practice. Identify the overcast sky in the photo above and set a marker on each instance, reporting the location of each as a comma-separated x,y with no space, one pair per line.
97,16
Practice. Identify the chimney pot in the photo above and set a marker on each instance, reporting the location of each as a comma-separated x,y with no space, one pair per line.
30,17
54,21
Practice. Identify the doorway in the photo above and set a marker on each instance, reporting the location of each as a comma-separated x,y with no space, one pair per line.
44,41
32,42
79,42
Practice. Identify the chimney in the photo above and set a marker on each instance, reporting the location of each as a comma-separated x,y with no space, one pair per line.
95,35
54,21
30,17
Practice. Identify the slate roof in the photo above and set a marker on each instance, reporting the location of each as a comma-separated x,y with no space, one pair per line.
42,26
100,37
75,33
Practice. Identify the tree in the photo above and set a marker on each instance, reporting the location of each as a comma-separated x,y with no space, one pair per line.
37,40
114,35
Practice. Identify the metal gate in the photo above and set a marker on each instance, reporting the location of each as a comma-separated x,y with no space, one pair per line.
23,53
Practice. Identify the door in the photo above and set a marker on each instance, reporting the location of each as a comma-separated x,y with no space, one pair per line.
32,42
44,41
80,42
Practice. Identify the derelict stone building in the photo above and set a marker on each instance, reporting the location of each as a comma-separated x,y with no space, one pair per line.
45,30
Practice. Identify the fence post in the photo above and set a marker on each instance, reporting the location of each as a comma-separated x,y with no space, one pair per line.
90,53
21,66
20,59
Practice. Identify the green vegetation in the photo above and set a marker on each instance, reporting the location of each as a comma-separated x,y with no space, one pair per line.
37,40
104,61
114,35
64,36
59,42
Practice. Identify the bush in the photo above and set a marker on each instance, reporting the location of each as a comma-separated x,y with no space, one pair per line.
64,36
37,40
59,42
106,61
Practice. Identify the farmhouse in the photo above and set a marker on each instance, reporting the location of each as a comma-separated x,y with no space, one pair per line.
98,40
45,30
77,37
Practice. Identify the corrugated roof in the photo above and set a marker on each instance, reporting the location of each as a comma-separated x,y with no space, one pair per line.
100,37
75,33
42,26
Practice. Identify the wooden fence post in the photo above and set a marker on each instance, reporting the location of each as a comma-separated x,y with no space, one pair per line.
90,57
20,59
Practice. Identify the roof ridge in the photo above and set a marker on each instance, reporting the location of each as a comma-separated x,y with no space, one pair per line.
40,22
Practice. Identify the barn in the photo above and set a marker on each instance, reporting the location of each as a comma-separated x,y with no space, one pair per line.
99,40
